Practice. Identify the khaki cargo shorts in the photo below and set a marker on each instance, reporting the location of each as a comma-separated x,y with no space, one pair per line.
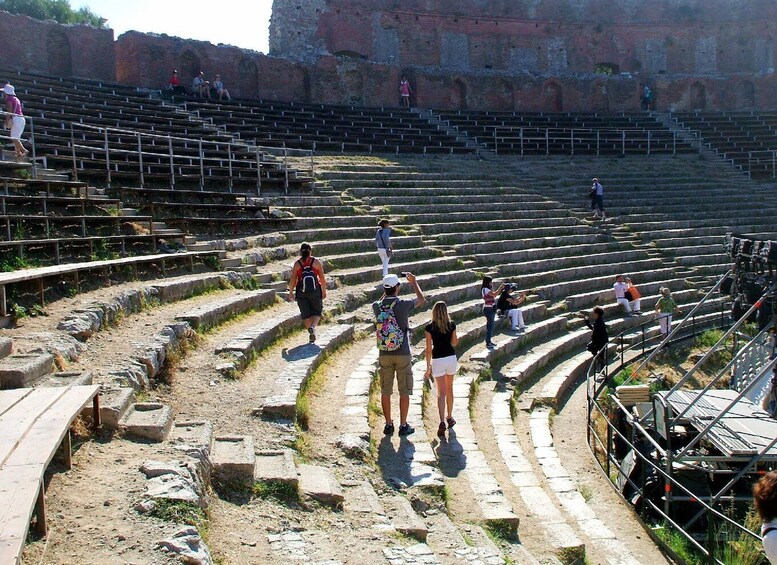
401,365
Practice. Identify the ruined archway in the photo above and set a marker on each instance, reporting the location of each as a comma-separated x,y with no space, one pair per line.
553,98
354,87
745,95
190,67
249,78
58,55
459,94
698,99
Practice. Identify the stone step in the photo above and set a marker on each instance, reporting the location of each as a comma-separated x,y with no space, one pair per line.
183,287
563,487
646,287
214,313
331,234
352,260
559,535
354,418
310,222
461,451
463,205
510,196
22,370
233,459
319,483
282,400
507,345
422,267
114,404
231,262
147,420
398,242
404,518
558,253
65,378
195,437
276,466
520,221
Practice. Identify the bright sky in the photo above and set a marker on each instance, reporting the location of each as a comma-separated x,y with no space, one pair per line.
244,23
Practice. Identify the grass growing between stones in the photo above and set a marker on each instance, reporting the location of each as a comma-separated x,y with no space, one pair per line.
679,545
500,530
474,390
181,512
173,358
280,491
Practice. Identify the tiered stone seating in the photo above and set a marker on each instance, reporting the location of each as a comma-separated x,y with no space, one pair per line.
329,128
736,136
569,133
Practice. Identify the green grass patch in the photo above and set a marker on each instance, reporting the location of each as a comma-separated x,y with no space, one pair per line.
680,545
474,390
280,491
181,512
501,530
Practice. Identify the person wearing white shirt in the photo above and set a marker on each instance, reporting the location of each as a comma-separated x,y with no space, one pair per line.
620,287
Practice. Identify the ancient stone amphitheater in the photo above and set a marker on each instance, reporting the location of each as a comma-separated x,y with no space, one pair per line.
148,255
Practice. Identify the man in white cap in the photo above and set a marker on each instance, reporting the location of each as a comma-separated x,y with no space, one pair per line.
14,119
394,358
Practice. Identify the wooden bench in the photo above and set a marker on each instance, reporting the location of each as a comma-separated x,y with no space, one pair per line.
35,422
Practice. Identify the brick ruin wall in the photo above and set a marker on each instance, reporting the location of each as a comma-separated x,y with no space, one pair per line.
61,50
531,55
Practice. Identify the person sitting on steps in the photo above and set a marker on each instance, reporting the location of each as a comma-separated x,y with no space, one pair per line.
509,306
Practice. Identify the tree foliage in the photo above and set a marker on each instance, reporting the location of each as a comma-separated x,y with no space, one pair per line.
57,10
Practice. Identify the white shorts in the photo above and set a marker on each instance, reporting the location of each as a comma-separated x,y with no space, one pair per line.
444,366
17,127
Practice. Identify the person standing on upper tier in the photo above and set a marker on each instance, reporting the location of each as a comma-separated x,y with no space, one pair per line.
405,91
383,243
489,306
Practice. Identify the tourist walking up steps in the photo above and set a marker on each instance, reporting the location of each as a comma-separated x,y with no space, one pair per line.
597,198
14,119
394,358
383,243
308,287
665,307
489,306
441,363
765,499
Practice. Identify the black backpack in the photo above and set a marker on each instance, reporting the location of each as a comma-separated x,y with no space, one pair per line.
308,280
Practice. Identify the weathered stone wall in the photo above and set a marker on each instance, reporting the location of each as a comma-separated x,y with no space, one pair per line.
62,50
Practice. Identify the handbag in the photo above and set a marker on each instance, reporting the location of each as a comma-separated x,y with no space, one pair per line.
628,295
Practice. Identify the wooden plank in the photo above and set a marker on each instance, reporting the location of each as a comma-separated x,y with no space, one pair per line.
17,421
46,434
8,398
19,490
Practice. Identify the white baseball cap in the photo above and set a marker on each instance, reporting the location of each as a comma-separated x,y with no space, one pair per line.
390,281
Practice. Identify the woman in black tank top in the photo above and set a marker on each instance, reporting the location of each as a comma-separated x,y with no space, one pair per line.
441,339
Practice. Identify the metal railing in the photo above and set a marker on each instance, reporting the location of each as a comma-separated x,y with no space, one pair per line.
659,460
580,139
175,152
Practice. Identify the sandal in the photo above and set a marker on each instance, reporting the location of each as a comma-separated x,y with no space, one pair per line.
451,422
441,430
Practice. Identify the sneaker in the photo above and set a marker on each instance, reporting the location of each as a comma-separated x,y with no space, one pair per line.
451,423
441,430
490,345
312,332
388,429
405,429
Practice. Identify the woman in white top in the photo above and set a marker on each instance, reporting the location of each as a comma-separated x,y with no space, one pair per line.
489,306
383,243
765,499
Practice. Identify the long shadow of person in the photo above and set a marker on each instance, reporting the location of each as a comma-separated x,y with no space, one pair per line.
303,351
450,455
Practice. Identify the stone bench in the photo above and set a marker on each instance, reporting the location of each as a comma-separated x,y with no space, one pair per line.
214,313
34,422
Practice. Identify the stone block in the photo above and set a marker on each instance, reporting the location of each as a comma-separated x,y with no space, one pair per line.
66,378
276,467
214,313
178,289
147,420
6,347
320,484
406,521
18,371
114,402
233,458
195,434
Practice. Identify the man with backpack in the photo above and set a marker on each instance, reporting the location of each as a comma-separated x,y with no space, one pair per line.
394,358
308,287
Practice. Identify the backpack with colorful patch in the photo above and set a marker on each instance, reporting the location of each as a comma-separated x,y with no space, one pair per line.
390,335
